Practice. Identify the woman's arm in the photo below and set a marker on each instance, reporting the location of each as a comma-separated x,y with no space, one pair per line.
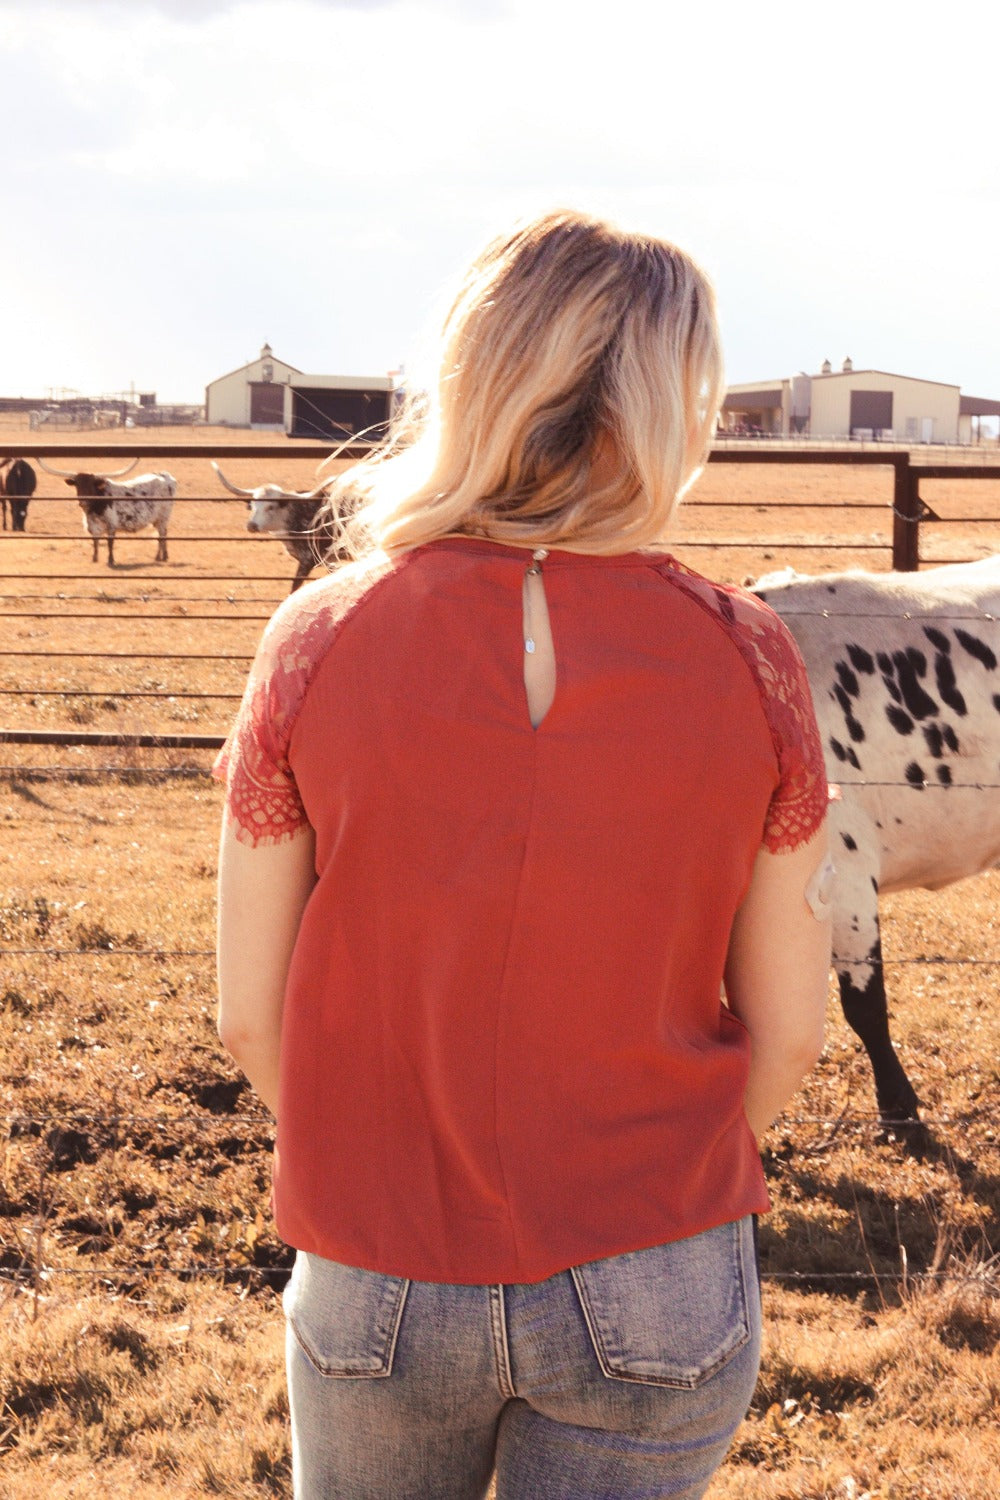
263,891
777,974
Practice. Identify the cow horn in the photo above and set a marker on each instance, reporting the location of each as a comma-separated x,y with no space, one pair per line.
72,473
117,473
321,489
232,488
62,473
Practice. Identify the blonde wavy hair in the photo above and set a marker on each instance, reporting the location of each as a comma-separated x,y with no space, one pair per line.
580,378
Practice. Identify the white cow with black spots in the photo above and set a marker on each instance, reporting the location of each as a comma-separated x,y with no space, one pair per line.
904,675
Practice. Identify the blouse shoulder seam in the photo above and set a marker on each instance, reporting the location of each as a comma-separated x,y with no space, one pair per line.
337,624
686,580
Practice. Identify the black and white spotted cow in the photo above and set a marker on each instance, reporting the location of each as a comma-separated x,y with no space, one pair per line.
904,675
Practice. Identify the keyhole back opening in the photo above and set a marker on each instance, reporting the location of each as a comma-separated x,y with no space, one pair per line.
539,651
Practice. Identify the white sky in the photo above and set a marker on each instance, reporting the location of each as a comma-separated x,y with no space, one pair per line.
185,179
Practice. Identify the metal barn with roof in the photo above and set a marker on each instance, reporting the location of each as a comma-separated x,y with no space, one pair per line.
252,396
849,403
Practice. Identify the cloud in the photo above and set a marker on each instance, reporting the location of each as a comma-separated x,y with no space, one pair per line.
202,174
182,10
197,10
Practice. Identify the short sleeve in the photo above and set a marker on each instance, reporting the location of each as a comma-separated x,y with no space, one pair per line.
262,798
800,799
798,804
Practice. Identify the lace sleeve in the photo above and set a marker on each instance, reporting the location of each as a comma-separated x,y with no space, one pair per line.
799,804
262,797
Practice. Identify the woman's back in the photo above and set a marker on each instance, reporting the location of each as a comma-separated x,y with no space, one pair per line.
503,1012
504,805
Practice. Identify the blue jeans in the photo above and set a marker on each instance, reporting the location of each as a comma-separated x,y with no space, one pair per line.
619,1379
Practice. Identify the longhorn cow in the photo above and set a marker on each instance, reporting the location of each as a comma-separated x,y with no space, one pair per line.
297,518
109,507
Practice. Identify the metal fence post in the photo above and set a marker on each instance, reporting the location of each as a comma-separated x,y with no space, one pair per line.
905,516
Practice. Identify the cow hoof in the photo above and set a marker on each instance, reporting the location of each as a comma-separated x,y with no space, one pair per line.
901,1122
903,1110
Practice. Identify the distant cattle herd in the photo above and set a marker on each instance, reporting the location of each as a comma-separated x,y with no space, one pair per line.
302,521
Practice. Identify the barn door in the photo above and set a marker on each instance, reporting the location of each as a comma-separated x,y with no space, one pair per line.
871,411
267,404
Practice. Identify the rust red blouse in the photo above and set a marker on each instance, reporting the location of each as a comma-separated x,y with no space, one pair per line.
504,1050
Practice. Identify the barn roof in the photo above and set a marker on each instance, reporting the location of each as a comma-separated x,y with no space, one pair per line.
738,398
978,406
889,375
250,362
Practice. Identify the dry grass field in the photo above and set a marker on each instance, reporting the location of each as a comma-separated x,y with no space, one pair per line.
140,1328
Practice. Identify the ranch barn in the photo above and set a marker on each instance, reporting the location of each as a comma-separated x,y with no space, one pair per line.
268,394
252,396
849,403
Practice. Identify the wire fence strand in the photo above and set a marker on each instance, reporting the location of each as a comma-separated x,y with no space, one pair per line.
921,961
117,1118
32,1269
29,1276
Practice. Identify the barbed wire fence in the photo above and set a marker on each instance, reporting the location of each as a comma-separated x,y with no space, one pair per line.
27,1265
31,1268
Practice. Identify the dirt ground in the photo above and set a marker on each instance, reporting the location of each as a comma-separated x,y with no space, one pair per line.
140,1336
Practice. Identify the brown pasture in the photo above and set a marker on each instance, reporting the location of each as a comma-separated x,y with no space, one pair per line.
140,1329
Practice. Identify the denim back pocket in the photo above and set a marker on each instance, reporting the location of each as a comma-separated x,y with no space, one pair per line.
675,1314
346,1321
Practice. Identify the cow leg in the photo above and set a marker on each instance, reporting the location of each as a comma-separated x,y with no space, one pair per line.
94,557
3,507
867,1014
18,514
111,549
161,551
